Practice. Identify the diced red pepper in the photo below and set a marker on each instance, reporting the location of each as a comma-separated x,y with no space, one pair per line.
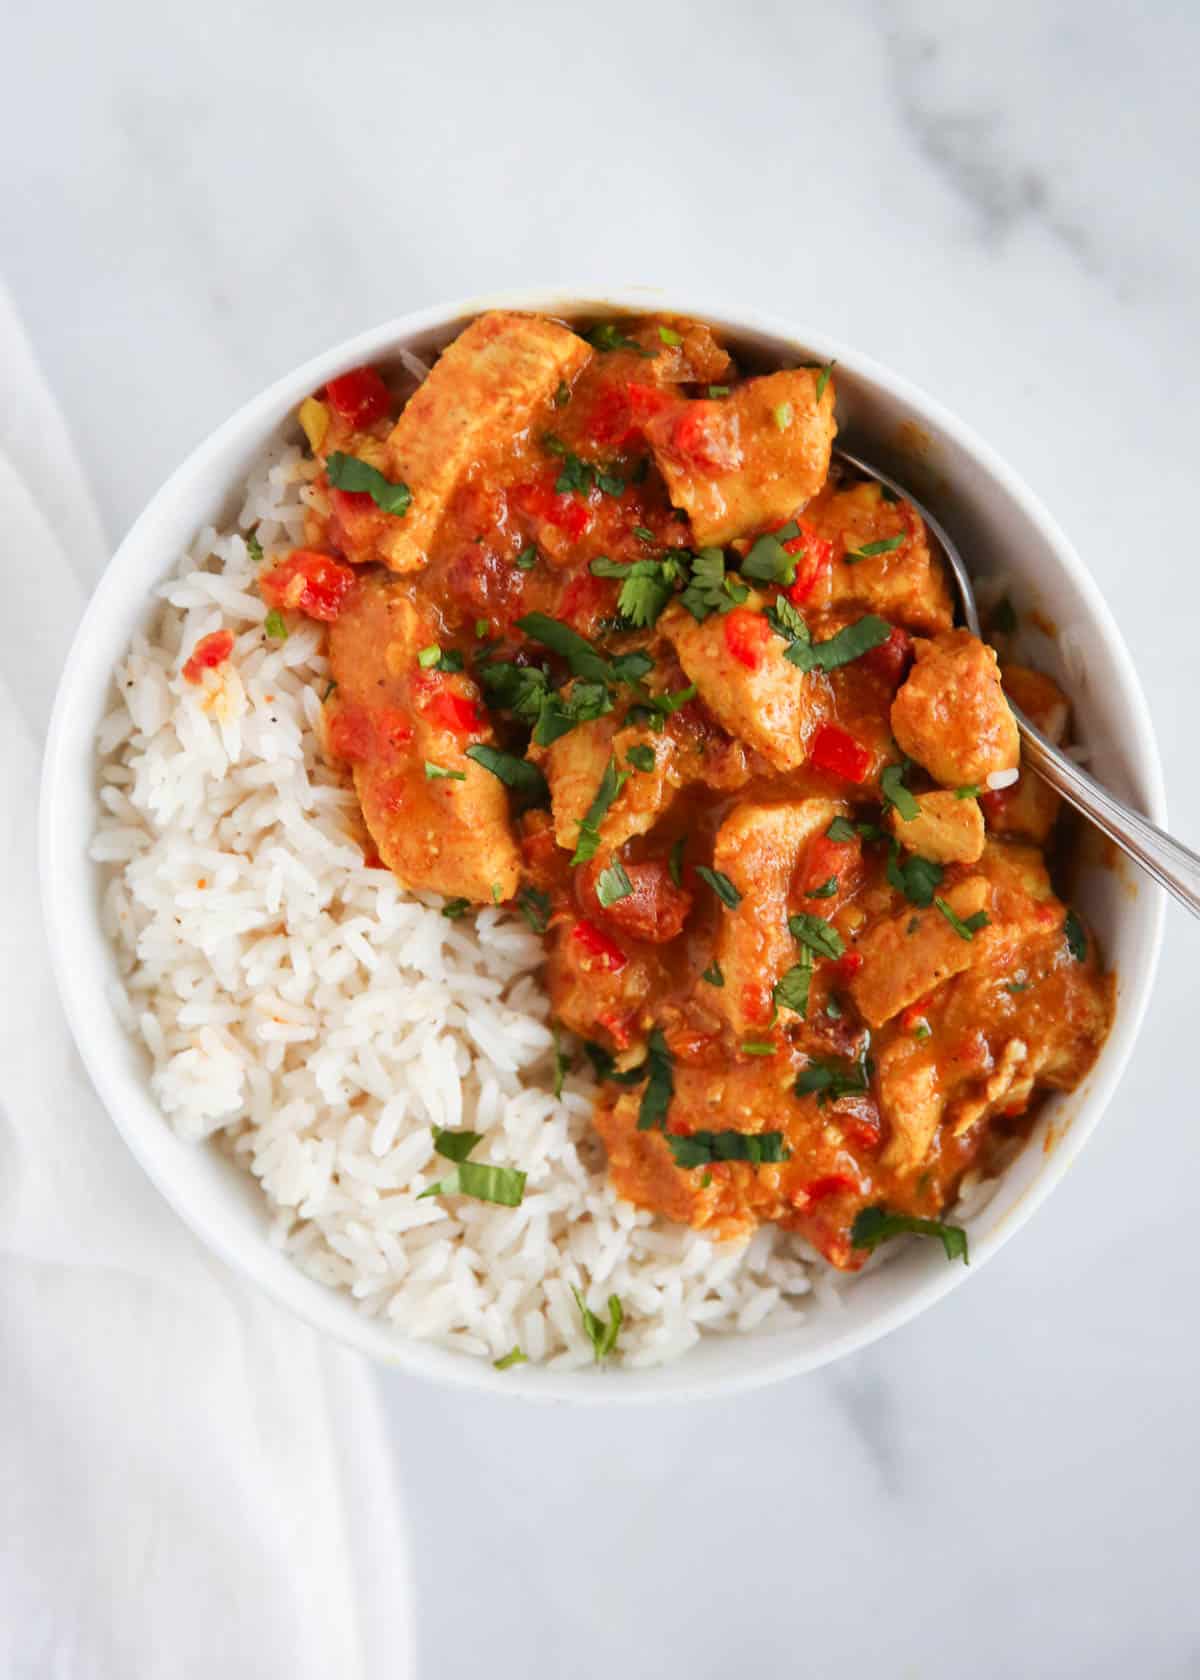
746,636
606,952
912,1016
757,1003
308,582
814,558
618,415
359,397
891,659
586,599
569,513
702,440
829,860
444,705
837,752
846,967
210,651
617,1026
832,1184
655,909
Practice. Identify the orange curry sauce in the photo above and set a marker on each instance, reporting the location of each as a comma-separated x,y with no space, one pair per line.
613,644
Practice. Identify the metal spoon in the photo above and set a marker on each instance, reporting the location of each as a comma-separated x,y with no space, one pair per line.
1173,866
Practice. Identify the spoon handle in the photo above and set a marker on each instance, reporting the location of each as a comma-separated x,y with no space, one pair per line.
1173,866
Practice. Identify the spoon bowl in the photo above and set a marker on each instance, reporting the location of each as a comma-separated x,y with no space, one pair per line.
1163,858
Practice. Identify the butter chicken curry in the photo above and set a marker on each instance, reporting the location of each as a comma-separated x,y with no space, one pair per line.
613,643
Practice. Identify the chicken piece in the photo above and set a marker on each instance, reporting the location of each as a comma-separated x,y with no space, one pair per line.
575,764
951,715
738,665
697,360
598,987
912,953
654,909
911,1100
1030,806
759,847
388,719
906,585
747,461
486,386
1007,1083
948,829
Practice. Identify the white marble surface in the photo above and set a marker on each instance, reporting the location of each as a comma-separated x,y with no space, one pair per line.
1001,201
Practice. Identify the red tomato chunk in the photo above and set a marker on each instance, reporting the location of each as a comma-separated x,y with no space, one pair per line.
307,582
359,397
210,651
746,636
836,751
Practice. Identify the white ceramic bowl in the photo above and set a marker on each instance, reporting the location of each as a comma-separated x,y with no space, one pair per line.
1000,527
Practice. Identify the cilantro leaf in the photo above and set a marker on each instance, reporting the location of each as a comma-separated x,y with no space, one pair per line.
1076,937
831,1080
660,1084
603,1337
703,1148
891,785
675,863
918,878
642,758
253,547
884,545
347,472
606,336
709,590
535,907
503,1185
516,773
454,1146
849,644
823,381
817,935
455,907
964,929
611,783
435,773
791,991
874,1225
613,884
721,884
275,625
668,335
514,1356
769,562
825,890
605,1067
583,659
713,976
842,830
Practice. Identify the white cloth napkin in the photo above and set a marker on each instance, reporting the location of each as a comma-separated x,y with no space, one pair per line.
191,1483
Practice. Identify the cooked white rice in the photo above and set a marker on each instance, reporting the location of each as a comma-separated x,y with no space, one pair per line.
306,1013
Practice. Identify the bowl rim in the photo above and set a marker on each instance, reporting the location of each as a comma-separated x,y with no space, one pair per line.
97,1032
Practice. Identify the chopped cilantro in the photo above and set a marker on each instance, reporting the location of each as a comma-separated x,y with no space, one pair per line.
254,548
275,625
535,907
605,1067
609,337
611,783
675,862
842,830
435,773
874,1225
918,878
712,975
829,1081
527,559
455,907
702,1148
668,335
454,1146
721,884
891,785
757,1047
823,381
347,472
1076,937
641,758
791,991
660,1084
782,416
516,773
504,1186
964,929
709,590
514,1356
825,890
563,395
884,545
816,935
718,390
613,884
603,1337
